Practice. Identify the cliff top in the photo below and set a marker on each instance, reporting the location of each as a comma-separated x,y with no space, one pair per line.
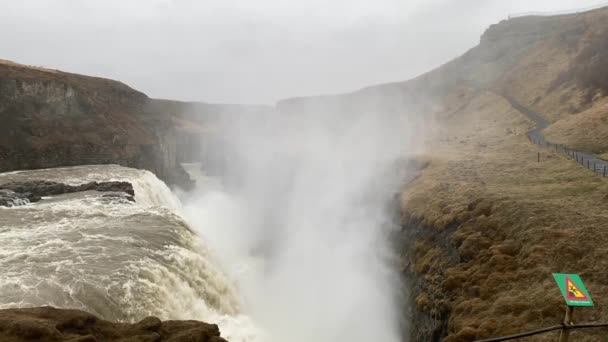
89,84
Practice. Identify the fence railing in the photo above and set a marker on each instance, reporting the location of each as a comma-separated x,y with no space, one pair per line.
598,166
562,327
555,13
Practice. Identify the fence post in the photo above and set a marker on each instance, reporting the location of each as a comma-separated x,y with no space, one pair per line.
604,170
563,337
589,167
538,161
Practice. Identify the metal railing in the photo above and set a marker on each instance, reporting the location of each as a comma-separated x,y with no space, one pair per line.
556,13
591,162
562,327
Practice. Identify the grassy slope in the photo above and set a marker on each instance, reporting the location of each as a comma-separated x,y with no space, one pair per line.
512,222
586,131
564,76
495,222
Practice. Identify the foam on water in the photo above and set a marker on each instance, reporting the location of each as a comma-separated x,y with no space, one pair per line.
117,259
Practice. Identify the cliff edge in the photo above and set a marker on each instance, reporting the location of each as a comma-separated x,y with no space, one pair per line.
50,324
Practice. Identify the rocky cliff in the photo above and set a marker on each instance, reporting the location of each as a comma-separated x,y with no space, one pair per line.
50,324
52,118
198,126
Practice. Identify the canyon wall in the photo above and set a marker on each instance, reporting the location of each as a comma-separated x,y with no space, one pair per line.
52,118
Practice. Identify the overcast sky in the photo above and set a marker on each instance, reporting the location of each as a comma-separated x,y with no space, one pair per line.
250,51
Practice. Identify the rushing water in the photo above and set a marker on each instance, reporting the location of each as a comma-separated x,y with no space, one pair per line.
111,257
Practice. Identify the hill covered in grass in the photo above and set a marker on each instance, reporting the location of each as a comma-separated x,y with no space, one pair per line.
484,223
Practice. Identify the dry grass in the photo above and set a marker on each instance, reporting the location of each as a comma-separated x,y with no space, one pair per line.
495,222
564,76
39,68
511,222
586,131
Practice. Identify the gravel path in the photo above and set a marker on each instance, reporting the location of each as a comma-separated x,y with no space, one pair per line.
599,166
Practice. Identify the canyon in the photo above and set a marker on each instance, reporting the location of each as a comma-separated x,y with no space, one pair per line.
485,216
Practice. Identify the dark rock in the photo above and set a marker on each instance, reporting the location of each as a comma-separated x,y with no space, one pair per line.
50,324
116,186
10,198
150,323
14,193
118,196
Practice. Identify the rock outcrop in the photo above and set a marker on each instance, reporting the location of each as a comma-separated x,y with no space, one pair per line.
50,324
52,118
18,193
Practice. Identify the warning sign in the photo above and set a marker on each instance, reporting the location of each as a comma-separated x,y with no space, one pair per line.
574,292
573,289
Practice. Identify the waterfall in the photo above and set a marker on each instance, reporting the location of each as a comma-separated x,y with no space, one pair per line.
114,258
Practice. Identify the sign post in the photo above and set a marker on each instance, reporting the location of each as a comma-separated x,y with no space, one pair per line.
575,294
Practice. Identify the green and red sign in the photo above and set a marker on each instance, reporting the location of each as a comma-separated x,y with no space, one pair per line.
574,291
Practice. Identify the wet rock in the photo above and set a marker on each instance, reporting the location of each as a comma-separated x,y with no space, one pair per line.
19,193
10,198
51,324
117,197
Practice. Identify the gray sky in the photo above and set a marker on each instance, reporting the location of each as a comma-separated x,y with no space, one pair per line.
250,51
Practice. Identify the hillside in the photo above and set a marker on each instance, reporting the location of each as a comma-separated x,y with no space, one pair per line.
485,224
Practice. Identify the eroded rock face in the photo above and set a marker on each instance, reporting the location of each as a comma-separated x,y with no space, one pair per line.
51,324
18,193
51,119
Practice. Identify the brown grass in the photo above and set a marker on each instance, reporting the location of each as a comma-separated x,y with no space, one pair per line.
39,68
511,221
586,131
590,67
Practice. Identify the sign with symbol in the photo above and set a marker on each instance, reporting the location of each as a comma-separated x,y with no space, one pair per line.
573,289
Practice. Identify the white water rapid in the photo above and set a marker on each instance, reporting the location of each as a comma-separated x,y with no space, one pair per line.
111,257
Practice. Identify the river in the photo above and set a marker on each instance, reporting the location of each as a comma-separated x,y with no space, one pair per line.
111,257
